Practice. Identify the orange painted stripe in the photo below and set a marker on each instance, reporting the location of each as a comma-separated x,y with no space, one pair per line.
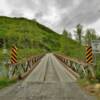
13,55
14,47
88,56
88,48
14,51
13,60
90,59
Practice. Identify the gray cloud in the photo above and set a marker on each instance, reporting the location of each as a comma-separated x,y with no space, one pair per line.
1,12
87,12
16,13
57,14
63,3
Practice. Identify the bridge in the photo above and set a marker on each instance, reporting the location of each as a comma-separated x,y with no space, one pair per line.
48,77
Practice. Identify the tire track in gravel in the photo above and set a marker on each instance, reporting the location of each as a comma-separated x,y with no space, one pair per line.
51,74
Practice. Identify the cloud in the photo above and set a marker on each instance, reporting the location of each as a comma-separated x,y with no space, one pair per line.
86,12
56,14
16,13
63,4
4,9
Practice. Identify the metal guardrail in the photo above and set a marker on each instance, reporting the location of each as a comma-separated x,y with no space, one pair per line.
82,69
22,69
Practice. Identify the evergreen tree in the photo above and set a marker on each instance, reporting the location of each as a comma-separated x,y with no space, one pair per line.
89,36
79,31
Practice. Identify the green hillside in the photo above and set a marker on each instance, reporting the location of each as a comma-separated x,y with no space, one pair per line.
32,37
27,34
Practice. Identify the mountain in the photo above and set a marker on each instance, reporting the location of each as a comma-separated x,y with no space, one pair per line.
31,36
27,34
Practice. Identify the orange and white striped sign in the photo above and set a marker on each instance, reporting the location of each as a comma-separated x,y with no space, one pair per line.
14,55
89,55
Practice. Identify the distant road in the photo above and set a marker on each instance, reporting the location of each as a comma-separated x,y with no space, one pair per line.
48,81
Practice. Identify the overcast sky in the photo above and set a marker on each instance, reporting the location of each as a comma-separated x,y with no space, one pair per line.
56,14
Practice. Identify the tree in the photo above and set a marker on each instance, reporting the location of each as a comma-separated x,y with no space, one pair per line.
67,34
89,36
79,31
2,39
1,42
70,35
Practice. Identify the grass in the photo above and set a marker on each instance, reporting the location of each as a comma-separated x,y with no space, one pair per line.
4,82
26,53
72,48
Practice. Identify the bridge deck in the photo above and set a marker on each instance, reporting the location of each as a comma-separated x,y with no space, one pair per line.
48,81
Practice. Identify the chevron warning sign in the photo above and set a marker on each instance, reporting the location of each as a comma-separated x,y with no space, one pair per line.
14,55
89,55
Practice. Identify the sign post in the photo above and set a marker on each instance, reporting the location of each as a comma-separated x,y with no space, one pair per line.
89,55
14,55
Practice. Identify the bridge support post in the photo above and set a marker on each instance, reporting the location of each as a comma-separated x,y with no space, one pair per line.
92,72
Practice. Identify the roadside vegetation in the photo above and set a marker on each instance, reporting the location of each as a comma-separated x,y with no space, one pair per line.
4,82
91,87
